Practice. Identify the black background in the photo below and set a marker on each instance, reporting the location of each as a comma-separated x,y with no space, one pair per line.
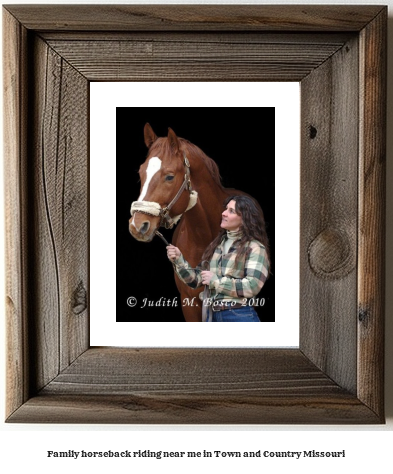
240,141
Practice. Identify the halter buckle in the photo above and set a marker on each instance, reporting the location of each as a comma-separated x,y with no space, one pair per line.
164,212
166,219
187,180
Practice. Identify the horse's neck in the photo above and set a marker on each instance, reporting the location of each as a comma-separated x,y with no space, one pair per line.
196,229
204,218
201,224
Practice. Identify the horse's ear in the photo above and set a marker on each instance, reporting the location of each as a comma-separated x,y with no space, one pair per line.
173,141
150,136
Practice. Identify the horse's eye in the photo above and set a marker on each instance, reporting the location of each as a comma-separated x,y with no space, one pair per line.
169,178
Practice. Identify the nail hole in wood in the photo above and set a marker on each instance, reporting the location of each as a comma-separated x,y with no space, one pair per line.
313,132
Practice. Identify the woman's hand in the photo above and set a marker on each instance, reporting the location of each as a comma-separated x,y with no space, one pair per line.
206,276
172,252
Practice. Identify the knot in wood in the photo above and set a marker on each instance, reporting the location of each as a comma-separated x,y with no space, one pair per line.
79,299
364,316
331,254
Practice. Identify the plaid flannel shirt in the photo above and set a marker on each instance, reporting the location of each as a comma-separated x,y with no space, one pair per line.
231,282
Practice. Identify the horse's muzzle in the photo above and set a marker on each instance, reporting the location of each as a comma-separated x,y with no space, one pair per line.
143,227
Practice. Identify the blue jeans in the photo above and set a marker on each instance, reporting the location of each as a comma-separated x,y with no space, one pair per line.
236,315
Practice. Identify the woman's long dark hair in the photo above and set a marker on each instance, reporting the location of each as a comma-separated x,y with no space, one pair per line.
253,227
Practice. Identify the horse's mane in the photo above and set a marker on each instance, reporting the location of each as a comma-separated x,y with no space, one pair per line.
211,165
163,145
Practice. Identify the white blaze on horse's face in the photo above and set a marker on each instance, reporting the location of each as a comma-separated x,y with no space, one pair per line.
153,166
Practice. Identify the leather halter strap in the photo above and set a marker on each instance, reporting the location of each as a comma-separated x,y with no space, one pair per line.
166,220
154,209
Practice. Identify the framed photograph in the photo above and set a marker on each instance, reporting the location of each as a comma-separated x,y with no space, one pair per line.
225,134
53,56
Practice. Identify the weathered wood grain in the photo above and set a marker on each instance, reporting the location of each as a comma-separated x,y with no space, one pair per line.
60,233
336,375
16,305
329,173
238,409
187,60
194,386
203,371
194,17
371,231
201,37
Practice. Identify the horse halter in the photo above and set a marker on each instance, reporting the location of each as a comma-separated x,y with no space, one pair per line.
154,209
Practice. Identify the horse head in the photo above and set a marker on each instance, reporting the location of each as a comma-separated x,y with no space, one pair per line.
166,191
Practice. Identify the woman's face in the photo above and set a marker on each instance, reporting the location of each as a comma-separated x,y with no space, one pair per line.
229,219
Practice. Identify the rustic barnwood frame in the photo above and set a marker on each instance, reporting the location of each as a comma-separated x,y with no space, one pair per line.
338,54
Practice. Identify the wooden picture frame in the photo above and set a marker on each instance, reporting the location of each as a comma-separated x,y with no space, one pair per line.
338,54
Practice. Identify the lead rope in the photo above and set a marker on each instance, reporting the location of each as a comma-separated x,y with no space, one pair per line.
206,308
162,237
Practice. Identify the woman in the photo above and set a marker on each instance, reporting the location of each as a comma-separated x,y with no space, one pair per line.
239,263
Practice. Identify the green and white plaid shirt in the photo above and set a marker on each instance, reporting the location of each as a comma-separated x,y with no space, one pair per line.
231,282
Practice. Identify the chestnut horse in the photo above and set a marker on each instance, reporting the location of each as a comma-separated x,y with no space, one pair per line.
179,183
